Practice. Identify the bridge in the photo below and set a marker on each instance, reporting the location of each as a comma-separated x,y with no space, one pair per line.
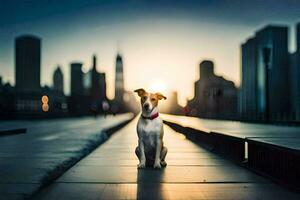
194,171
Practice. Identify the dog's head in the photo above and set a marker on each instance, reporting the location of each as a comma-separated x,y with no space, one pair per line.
149,100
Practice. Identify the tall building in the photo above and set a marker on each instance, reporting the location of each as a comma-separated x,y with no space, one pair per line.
95,83
215,97
95,87
248,93
119,80
295,78
28,63
265,93
98,87
102,82
171,105
58,81
76,79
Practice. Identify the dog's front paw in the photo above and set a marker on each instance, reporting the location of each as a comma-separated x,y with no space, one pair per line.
163,163
141,165
157,165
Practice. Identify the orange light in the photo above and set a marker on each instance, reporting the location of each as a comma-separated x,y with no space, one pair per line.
45,99
45,107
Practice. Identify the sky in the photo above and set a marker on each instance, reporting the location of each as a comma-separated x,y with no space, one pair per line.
162,42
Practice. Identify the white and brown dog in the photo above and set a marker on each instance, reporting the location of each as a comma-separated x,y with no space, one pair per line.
150,149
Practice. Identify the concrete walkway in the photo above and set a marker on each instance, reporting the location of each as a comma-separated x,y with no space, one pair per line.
110,172
28,161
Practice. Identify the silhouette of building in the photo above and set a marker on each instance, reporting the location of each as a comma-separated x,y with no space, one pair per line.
57,99
265,93
78,103
295,78
118,102
28,63
27,97
95,83
76,79
58,81
171,106
131,103
215,97
119,80
95,87
7,99
248,94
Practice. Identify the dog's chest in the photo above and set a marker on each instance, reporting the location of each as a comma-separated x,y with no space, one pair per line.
149,131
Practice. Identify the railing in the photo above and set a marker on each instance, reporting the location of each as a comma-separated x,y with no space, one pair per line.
278,163
227,146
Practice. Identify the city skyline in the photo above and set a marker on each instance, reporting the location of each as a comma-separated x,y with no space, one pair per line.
194,31
149,99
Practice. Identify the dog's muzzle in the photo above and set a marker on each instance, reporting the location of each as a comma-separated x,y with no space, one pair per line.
146,106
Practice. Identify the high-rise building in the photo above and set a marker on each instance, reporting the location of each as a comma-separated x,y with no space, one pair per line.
76,79
58,81
215,97
102,82
95,90
95,83
171,106
27,63
247,101
265,92
295,78
119,80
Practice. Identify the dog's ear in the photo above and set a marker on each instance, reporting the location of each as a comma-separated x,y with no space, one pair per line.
160,96
140,91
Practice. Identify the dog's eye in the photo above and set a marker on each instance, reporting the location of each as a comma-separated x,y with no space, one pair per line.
144,98
153,99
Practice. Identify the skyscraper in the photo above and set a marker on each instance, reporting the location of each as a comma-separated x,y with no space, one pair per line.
76,79
295,77
215,97
27,63
265,75
119,80
248,101
94,83
58,81
102,82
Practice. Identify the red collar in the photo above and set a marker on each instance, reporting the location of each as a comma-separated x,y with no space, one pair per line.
155,115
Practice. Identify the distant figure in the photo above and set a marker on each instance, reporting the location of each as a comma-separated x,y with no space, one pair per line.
105,107
150,149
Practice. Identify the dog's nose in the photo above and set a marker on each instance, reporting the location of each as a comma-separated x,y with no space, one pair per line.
146,106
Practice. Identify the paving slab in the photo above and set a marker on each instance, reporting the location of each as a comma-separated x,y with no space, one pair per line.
48,148
110,172
218,191
236,128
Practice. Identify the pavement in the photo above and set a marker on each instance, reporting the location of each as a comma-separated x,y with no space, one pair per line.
30,160
286,136
110,172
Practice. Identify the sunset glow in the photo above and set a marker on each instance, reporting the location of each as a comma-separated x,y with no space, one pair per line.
158,86
165,45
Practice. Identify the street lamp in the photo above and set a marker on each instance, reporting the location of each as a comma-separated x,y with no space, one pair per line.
267,60
45,105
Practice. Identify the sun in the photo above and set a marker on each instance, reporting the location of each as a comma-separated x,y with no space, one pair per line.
158,86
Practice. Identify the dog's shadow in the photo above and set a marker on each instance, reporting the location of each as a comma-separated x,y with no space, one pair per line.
149,183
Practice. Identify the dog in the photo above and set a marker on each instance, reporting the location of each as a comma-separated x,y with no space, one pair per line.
150,151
